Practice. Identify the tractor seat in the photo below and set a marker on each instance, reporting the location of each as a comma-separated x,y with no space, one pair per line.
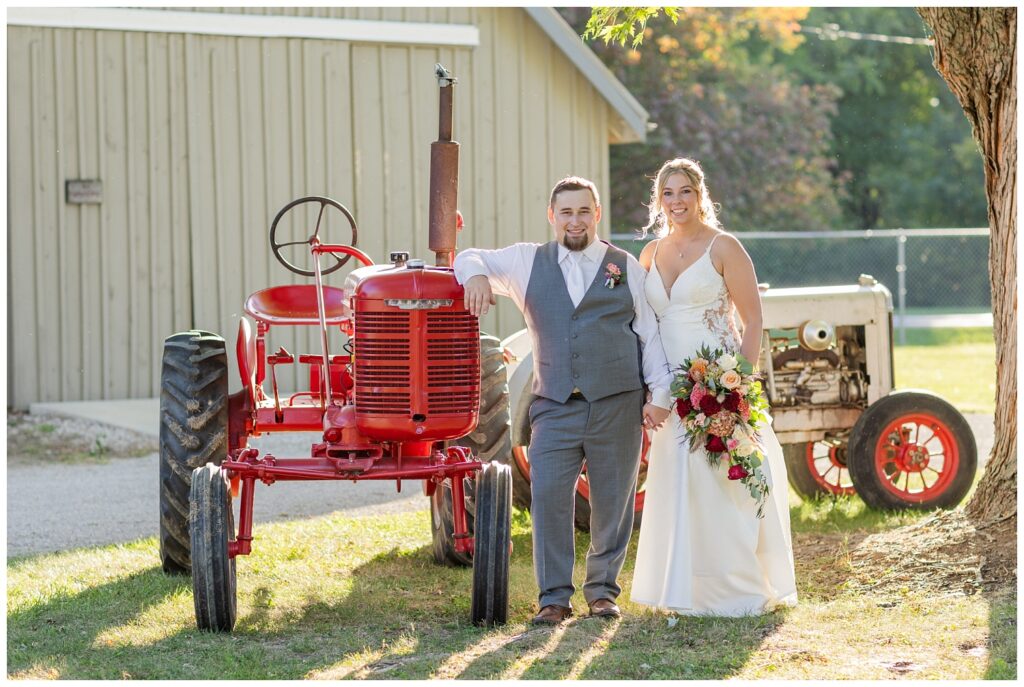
296,304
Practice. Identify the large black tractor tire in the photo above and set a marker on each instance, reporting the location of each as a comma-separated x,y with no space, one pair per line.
492,438
937,436
193,432
442,522
211,528
492,545
816,469
490,441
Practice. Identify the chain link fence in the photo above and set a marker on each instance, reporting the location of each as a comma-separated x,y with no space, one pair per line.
938,277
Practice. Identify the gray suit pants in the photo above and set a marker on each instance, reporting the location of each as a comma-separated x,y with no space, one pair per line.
607,433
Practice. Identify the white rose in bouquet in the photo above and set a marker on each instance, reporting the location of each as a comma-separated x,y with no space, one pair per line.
745,447
727,362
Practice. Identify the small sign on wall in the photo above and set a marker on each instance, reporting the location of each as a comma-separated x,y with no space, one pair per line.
84,190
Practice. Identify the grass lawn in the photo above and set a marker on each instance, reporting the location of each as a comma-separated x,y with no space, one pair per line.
957,364
336,597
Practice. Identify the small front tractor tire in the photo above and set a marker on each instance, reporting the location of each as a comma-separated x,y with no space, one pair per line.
817,468
912,449
193,432
211,528
492,546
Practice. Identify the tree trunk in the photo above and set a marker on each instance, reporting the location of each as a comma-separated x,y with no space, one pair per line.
976,53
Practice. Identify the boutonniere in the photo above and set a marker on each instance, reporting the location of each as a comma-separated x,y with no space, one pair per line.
612,275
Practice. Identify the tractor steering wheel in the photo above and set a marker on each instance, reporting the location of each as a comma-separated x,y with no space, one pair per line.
324,203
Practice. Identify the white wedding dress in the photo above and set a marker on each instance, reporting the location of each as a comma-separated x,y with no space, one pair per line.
702,548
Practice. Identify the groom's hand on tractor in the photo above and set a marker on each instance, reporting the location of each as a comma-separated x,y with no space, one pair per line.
654,416
478,296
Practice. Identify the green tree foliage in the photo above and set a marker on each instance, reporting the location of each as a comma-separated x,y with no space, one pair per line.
876,115
900,135
709,80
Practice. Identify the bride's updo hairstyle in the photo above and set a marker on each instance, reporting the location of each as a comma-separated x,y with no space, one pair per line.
656,221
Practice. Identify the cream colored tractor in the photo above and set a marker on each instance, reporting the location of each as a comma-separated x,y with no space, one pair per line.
827,362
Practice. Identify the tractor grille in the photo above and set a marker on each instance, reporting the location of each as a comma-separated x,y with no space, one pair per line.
384,323
416,372
453,360
384,349
382,374
451,349
451,323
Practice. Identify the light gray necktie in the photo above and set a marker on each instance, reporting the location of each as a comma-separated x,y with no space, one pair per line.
574,278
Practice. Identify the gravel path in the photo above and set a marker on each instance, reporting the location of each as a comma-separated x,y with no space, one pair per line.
53,507
57,507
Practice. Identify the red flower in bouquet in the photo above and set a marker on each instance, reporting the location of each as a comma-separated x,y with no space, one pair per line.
716,445
709,405
732,402
683,407
737,472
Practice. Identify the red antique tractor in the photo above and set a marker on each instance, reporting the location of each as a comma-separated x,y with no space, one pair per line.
401,402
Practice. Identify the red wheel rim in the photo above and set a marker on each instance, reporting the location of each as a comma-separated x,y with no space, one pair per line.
520,455
916,457
826,461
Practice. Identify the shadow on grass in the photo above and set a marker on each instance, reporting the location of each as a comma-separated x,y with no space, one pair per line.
67,629
402,617
411,631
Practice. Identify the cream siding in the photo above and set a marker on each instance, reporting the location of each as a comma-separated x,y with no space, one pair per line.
199,140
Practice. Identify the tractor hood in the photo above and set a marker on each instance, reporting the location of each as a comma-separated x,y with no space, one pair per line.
855,304
403,283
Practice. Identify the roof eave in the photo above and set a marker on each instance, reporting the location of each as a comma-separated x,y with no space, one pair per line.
633,114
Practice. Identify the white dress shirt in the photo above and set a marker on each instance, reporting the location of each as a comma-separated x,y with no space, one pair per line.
508,270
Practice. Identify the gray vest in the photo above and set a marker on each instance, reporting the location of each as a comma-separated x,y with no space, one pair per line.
591,347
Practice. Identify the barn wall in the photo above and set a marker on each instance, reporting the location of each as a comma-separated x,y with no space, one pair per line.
199,141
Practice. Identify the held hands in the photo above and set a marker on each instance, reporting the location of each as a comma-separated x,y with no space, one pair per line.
478,296
654,416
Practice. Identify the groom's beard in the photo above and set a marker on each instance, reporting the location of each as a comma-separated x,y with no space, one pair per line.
575,242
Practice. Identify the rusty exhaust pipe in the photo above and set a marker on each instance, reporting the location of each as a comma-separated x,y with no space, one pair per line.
444,176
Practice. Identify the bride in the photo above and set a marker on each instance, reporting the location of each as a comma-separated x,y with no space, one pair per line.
702,548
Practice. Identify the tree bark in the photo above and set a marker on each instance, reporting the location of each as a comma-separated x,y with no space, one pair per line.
976,53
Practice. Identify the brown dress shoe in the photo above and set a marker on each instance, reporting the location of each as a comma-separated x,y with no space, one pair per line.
605,608
552,615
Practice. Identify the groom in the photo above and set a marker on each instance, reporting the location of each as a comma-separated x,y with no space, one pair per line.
588,317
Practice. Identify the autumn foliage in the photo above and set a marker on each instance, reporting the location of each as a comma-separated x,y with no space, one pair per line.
710,83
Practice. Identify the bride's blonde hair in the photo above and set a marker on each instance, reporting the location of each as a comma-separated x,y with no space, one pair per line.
656,220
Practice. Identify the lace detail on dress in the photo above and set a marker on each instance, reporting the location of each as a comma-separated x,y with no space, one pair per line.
720,322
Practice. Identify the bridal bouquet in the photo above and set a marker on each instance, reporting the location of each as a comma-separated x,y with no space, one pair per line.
721,405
